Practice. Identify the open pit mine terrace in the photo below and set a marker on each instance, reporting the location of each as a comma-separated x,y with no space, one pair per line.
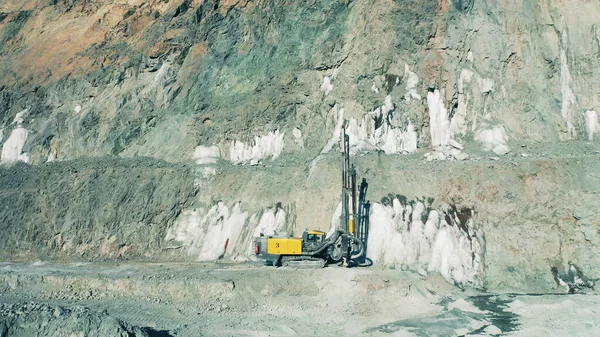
146,145
437,270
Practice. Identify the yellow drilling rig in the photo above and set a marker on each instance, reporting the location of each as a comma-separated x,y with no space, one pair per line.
346,245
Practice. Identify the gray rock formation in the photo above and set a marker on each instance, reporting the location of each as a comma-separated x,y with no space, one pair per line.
91,208
157,80
193,87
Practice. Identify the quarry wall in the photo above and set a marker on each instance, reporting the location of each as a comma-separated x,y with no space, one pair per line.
180,129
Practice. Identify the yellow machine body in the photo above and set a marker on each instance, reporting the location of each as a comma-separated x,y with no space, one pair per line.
284,246
311,249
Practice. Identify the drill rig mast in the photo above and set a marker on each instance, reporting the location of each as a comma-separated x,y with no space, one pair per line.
346,244
354,219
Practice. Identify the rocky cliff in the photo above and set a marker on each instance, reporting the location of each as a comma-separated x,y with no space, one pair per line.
180,129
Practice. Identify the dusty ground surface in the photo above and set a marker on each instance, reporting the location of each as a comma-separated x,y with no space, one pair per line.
253,300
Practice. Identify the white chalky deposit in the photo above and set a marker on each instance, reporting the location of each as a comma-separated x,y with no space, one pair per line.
338,114
374,132
297,133
411,85
269,145
224,228
335,219
591,123
327,86
438,120
443,144
224,231
446,153
374,88
385,136
207,154
208,171
19,117
568,96
271,221
492,138
12,149
212,234
458,124
398,237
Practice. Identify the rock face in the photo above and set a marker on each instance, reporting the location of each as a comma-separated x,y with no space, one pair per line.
159,78
249,97
91,208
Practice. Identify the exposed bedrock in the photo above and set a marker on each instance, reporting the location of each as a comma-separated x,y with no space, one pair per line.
527,214
92,208
508,222
181,129
158,79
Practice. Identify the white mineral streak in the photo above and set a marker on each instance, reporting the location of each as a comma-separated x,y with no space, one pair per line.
568,97
386,137
208,171
209,235
443,145
438,120
19,117
398,236
338,114
224,228
223,231
470,56
297,133
492,138
411,84
368,134
270,145
591,123
12,149
271,221
326,86
458,124
374,88
207,154
335,219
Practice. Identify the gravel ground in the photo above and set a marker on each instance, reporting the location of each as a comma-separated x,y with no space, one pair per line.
227,300
249,300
